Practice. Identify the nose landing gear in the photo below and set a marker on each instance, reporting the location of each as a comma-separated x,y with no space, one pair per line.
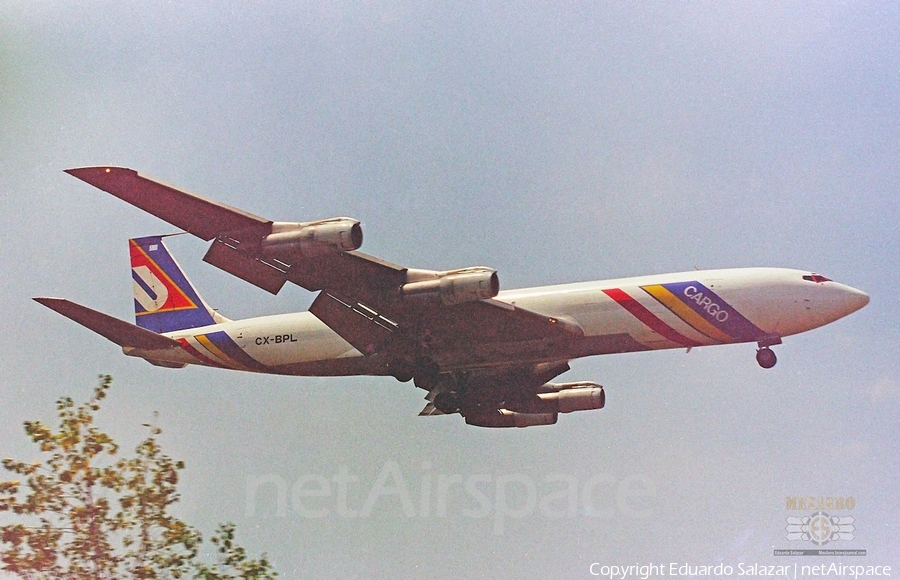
766,358
764,355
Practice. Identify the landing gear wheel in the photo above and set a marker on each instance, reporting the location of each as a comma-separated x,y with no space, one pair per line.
446,402
766,358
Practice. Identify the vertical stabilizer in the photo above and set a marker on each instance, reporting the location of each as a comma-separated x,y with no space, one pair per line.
164,299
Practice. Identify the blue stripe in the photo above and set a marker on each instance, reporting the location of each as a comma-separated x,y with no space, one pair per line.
231,348
716,311
143,285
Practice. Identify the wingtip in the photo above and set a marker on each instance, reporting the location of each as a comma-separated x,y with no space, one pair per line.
59,305
51,302
100,172
45,299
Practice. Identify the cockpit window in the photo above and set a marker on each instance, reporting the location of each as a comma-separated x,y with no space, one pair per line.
817,278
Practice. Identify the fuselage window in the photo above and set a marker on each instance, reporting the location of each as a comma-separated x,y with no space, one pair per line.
817,278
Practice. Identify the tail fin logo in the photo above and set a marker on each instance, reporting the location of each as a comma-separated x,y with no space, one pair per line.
164,299
154,290
149,291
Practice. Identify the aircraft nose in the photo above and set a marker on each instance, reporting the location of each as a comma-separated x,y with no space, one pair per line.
854,299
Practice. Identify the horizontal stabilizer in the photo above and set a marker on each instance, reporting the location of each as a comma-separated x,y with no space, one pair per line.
118,331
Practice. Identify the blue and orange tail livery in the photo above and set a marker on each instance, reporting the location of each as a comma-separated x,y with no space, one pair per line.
164,299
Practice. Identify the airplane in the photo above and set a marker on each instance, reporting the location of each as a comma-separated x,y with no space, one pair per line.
486,354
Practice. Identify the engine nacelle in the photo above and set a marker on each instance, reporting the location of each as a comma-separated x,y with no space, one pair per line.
313,238
575,399
506,418
456,286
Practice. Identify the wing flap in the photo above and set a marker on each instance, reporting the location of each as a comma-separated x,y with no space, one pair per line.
346,273
268,275
364,277
202,217
356,323
430,410
118,331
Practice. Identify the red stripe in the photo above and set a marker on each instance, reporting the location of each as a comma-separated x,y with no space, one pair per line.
199,355
648,318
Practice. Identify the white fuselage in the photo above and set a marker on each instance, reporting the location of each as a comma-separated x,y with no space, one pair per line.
678,310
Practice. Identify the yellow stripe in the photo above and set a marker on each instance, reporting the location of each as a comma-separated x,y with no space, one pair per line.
684,312
214,350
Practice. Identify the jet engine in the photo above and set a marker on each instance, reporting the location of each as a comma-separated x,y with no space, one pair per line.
544,408
313,238
455,286
506,418
570,397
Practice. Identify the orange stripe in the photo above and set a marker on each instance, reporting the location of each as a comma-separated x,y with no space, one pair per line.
198,355
684,312
208,345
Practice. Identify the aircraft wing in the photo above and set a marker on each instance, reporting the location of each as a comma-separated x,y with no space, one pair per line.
202,217
240,238
465,332
371,303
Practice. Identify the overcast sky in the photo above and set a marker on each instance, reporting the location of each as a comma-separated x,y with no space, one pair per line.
552,142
